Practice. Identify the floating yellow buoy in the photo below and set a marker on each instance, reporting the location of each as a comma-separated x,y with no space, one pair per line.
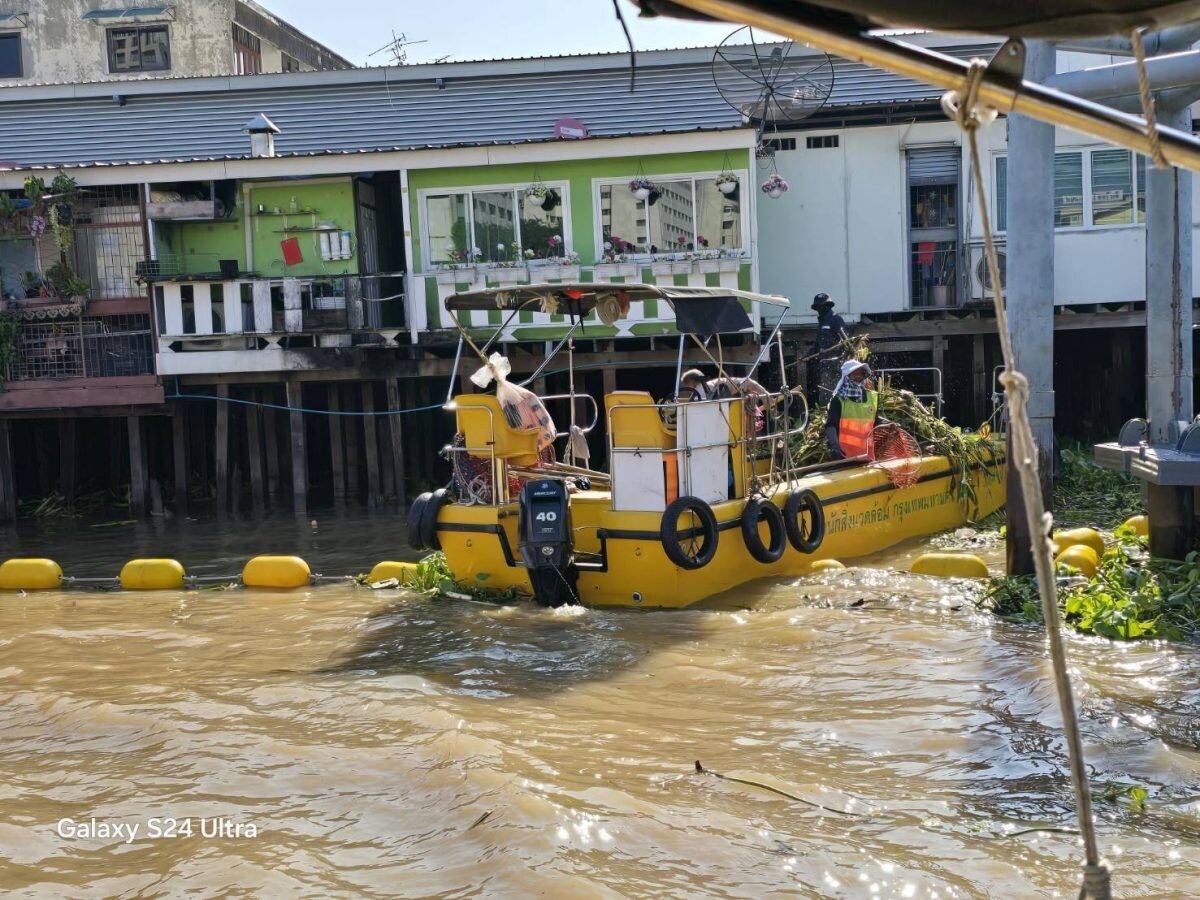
1081,557
1087,537
152,575
950,565
30,575
1139,524
826,565
401,571
276,572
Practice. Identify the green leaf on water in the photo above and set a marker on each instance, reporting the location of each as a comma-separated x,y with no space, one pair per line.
1137,798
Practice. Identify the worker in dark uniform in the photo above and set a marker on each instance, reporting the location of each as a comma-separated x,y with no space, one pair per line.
828,347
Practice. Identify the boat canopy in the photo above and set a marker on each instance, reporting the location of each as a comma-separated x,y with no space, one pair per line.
698,310
581,297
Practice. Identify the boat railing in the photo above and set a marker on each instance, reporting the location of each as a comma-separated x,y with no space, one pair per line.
749,440
491,488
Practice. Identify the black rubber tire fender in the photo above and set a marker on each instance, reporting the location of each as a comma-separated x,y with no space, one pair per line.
429,518
416,513
758,510
670,536
798,502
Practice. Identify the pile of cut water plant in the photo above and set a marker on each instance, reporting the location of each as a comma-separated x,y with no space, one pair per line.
433,576
969,454
1131,596
1085,494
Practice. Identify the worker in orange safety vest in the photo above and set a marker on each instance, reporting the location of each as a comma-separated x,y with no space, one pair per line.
853,412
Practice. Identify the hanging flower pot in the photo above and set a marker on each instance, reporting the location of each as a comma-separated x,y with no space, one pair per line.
643,188
775,186
537,199
727,183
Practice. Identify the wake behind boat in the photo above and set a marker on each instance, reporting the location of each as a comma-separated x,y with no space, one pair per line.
700,494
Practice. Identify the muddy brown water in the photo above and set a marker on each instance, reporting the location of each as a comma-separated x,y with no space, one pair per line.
364,735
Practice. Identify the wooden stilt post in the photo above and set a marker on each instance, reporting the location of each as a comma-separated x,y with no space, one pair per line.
8,480
67,429
352,428
337,460
137,466
270,416
254,455
116,445
610,380
222,449
299,457
428,451
180,456
396,429
980,387
370,443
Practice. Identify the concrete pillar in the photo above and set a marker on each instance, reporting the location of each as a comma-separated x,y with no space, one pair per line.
1168,293
1169,338
1030,293
295,403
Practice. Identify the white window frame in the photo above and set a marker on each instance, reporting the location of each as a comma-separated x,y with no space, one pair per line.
1088,213
743,214
429,266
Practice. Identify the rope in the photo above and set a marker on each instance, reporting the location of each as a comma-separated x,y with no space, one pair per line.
962,106
1139,54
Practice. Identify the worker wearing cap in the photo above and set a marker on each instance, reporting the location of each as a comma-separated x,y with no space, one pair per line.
829,346
853,412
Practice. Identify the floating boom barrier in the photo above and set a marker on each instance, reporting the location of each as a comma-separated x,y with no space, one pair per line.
270,572
1080,548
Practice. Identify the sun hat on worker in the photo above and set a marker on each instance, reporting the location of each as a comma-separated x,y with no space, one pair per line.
821,301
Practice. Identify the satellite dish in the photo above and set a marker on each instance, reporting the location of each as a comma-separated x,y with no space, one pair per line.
770,83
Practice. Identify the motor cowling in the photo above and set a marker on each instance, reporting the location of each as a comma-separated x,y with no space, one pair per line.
546,542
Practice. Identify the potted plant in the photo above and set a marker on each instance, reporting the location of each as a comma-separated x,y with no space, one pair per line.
775,186
642,187
538,193
727,183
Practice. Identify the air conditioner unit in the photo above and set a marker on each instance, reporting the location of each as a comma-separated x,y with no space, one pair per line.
981,281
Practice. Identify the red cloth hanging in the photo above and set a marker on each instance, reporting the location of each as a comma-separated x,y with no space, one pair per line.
925,252
291,251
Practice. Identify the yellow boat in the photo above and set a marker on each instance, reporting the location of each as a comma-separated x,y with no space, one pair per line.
699,496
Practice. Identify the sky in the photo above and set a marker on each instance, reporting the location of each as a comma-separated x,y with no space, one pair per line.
484,29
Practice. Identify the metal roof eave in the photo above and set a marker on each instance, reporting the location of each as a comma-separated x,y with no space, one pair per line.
315,154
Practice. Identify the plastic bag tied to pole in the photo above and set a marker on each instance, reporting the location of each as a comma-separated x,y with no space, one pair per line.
521,406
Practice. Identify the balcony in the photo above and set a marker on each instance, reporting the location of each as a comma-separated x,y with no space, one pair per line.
273,324
76,360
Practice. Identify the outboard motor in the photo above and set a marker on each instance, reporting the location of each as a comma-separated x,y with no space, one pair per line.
546,543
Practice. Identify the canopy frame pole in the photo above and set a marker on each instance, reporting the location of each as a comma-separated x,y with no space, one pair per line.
454,372
553,353
1003,89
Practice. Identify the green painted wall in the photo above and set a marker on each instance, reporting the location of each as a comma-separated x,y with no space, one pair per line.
200,244
333,202
579,174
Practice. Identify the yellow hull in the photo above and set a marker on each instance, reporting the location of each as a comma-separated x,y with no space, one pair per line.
863,514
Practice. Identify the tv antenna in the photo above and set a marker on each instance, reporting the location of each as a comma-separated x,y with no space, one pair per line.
396,48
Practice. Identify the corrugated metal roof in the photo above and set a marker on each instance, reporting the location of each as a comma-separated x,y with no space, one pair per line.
343,112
